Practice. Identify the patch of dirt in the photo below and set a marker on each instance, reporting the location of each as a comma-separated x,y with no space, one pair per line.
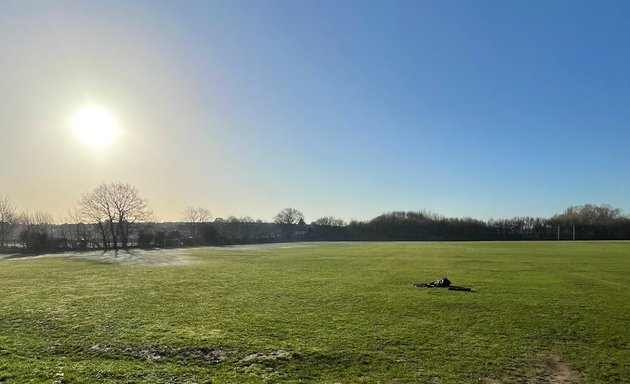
145,353
206,355
556,372
100,348
560,373
266,358
215,355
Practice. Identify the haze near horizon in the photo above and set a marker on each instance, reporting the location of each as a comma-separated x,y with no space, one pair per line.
346,109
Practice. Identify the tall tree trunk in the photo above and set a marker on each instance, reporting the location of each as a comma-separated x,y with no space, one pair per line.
124,234
101,227
1,234
114,233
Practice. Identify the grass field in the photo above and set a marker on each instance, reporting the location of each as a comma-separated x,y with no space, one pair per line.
542,312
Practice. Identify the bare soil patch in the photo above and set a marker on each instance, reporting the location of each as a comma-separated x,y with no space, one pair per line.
556,372
560,373
267,356
153,353
266,359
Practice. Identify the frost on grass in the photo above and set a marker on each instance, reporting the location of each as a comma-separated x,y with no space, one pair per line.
156,257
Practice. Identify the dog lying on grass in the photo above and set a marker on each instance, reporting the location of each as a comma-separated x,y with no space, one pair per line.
442,283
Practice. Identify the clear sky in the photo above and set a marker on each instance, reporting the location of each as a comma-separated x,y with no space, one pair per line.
343,108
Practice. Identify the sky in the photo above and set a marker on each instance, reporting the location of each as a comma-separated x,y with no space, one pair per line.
485,109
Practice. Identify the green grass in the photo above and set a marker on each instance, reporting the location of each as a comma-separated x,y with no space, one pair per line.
330,313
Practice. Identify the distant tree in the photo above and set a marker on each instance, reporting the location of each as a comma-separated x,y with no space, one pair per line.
173,238
589,214
38,220
288,216
36,233
232,219
210,235
592,222
8,218
158,238
94,208
117,207
194,217
80,232
146,239
288,220
330,221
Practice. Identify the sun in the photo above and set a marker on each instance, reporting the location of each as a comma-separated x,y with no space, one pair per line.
95,127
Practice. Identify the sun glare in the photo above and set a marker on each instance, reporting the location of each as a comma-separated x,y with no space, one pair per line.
95,127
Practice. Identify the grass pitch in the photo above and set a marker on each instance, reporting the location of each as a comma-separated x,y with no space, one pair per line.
542,312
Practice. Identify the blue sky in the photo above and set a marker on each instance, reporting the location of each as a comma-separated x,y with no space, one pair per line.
344,108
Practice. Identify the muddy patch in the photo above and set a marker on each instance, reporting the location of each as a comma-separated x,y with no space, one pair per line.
161,353
150,354
280,354
267,359
559,373
553,372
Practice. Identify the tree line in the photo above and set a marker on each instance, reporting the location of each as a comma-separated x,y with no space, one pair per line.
115,215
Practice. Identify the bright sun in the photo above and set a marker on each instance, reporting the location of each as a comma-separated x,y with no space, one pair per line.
95,127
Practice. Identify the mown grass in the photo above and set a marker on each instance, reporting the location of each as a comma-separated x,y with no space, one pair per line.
330,313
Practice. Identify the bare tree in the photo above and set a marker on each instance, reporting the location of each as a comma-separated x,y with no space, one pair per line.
115,208
194,217
80,231
38,220
94,208
37,231
330,221
129,207
8,218
288,216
